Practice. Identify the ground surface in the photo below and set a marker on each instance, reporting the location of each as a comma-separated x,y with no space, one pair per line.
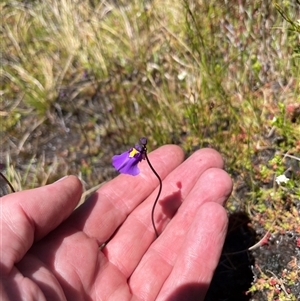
84,80
237,267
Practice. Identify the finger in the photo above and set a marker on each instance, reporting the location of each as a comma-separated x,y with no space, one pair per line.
198,257
128,246
18,287
214,185
29,215
107,209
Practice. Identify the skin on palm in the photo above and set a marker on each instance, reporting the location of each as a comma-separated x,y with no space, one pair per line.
68,263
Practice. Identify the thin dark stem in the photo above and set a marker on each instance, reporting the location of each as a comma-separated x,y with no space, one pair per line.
7,182
158,194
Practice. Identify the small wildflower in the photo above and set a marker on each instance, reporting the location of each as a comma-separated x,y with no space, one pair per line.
128,161
281,179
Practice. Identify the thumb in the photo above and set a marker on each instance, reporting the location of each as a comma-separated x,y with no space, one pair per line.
29,215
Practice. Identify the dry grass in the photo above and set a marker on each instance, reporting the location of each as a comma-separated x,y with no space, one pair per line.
83,79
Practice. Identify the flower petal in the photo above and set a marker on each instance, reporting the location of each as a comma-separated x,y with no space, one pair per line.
281,179
127,162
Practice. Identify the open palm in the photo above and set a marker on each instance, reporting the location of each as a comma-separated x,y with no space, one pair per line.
106,249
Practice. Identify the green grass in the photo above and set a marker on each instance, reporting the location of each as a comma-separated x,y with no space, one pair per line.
191,73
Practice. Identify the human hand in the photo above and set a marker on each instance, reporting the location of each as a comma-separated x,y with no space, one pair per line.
50,252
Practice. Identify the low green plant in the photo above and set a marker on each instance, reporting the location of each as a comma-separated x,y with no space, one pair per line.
96,76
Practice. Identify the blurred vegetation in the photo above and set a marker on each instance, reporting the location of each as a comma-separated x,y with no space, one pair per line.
82,80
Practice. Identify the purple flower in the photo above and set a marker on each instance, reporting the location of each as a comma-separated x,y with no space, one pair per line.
127,162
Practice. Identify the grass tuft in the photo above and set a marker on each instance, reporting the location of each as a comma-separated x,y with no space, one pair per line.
82,80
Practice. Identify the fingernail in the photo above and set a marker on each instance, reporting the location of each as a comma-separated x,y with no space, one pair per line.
61,179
